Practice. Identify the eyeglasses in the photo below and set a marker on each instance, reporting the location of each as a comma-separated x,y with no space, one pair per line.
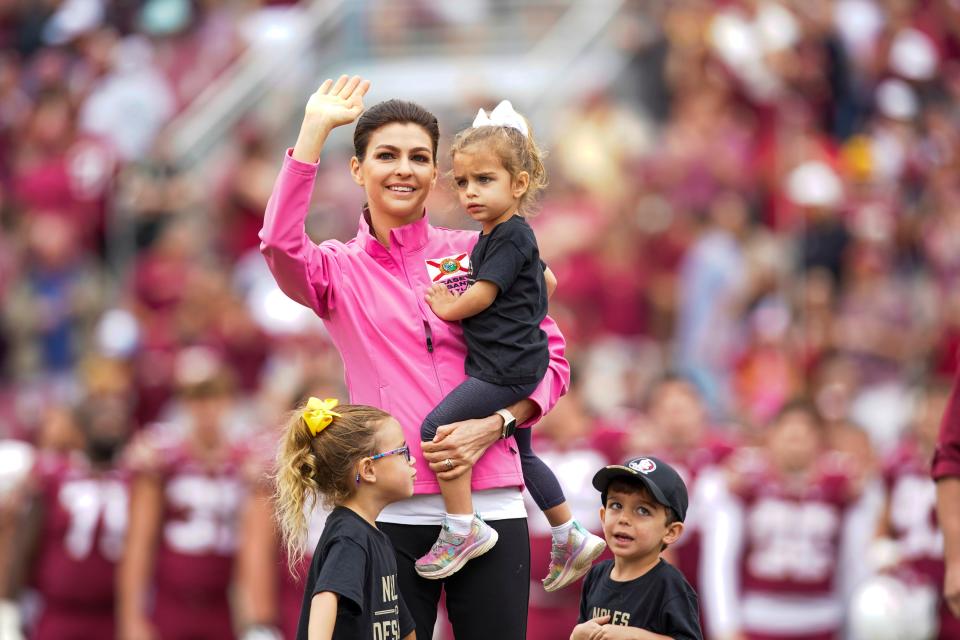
405,450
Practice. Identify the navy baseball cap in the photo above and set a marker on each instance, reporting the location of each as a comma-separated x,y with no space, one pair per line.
662,480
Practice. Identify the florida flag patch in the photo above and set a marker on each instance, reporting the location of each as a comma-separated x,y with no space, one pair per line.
453,271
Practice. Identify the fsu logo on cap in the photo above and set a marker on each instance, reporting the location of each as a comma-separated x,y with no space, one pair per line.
643,465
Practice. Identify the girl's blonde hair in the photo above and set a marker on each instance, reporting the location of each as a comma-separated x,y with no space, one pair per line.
516,151
319,469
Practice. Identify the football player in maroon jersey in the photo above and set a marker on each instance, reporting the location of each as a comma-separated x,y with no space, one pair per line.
683,437
271,595
73,526
781,536
189,480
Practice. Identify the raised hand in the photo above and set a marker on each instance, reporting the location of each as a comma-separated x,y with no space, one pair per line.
337,103
332,105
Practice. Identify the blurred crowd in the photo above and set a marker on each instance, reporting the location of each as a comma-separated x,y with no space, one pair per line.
761,209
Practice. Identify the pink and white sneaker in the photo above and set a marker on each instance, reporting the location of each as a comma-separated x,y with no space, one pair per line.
451,551
572,559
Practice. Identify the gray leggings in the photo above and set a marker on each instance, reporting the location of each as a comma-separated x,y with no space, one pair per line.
478,399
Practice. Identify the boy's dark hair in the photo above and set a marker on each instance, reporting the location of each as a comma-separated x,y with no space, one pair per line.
389,112
629,485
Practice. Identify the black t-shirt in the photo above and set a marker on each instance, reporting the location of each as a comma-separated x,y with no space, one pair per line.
505,342
356,561
660,601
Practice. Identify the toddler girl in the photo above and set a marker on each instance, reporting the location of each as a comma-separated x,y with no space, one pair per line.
497,171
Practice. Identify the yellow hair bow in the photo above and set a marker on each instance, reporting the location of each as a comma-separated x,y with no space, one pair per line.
318,413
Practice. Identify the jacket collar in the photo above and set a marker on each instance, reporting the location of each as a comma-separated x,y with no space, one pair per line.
411,236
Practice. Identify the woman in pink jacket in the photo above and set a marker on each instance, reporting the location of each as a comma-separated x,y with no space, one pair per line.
399,356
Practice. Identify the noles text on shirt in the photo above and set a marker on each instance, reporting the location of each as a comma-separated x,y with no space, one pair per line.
660,601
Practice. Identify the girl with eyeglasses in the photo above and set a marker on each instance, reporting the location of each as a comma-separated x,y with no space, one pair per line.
355,460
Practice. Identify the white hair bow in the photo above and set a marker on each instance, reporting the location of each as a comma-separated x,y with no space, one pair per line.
503,115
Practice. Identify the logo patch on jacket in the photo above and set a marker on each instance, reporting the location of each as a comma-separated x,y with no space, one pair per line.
453,271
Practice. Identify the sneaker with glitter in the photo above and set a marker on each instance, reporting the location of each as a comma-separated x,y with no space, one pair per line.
572,559
451,551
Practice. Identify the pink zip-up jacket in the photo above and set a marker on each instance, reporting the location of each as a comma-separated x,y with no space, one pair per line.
398,355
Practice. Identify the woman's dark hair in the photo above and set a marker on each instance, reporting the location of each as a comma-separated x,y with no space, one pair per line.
388,112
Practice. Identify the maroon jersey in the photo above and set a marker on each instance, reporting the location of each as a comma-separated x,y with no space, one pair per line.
691,466
694,466
913,522
792,533
913,510
79,543
198,534
772,561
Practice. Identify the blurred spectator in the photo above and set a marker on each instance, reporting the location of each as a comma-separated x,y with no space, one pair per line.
152,191
597,142
244,195
50,312
712,282
681,435
131,103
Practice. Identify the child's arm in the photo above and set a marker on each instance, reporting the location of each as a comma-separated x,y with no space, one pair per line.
450,307
323,616
551,281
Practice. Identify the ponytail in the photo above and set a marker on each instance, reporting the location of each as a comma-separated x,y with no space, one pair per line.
319,469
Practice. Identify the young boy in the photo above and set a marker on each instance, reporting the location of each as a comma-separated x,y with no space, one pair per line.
644,504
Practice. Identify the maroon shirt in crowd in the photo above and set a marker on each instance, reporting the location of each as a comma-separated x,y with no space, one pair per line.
79,544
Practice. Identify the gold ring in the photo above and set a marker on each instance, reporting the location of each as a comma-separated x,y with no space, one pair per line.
449,463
